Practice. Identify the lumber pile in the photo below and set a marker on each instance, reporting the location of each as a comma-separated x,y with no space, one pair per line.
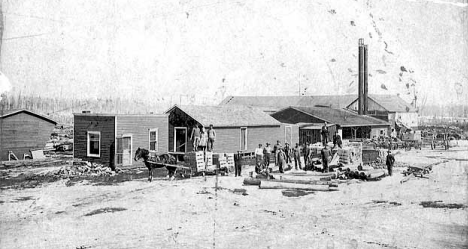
32,163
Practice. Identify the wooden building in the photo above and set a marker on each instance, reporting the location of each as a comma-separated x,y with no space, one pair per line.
112,139
387,107
391,108
238,128
345,122
22,131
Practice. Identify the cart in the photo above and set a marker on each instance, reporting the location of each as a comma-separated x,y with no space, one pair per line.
417,171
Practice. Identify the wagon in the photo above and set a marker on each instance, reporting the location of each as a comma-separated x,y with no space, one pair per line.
417,171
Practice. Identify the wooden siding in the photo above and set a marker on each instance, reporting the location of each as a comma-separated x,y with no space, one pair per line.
104,124
139,125
23,132
228,139
291,116
177,118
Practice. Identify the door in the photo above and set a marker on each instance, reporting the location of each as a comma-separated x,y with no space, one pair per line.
243,138
288,135
180,139
124,150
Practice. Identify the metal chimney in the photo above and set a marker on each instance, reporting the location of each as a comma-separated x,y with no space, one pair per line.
362,79
366,84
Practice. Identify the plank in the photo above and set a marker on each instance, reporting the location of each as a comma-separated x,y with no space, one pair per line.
282,185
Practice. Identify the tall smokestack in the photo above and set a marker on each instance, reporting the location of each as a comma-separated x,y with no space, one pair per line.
361,78
366,84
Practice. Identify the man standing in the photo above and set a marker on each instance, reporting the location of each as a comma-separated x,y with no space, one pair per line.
237,164
276,150
211,137
324,133
297,156
326,158
307,153
287,151
267,155
195,137
258,158
390,162
281,160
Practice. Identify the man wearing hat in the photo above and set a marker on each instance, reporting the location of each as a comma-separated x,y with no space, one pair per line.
266,155
390,162
297,156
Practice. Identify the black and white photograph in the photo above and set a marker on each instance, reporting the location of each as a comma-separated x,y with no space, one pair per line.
234,124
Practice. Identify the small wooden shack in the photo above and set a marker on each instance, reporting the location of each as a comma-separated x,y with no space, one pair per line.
22,131
238,128
112,139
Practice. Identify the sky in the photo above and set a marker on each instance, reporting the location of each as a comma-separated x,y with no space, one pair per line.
205,50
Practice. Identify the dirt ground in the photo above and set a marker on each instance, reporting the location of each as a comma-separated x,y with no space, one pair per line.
127,211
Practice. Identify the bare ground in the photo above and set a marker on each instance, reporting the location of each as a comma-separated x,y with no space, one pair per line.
128,212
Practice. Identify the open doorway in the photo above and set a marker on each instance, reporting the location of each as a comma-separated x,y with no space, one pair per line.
124,150
180,139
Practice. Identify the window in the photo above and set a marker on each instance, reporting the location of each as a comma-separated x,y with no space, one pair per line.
153,139
94,144
243,138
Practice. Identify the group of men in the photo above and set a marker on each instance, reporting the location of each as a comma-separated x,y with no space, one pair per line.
284,155
203,139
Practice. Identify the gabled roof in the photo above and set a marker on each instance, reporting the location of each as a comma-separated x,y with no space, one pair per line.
341,117
228,116
392,103
266,103
10,113
333,101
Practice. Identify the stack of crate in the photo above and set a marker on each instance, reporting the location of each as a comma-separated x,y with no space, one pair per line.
344,156
219,160
196,160
230,161
210,166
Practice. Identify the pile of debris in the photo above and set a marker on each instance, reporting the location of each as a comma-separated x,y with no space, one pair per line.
382,165
84,168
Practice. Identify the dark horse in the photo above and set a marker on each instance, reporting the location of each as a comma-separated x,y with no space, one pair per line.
158,161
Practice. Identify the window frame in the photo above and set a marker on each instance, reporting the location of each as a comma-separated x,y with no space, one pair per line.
88,153
156,149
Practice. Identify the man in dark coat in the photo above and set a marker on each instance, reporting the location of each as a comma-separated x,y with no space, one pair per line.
287,152
297,156
390,162
326,158
324,133
307,154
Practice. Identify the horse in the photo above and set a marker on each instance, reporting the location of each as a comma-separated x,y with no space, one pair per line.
157,161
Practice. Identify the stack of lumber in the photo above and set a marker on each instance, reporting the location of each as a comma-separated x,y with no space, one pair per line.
32,163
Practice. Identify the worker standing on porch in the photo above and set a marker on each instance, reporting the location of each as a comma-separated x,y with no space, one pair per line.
211,137
324,133
195,137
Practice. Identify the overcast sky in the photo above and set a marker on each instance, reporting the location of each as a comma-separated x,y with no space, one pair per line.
208,49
